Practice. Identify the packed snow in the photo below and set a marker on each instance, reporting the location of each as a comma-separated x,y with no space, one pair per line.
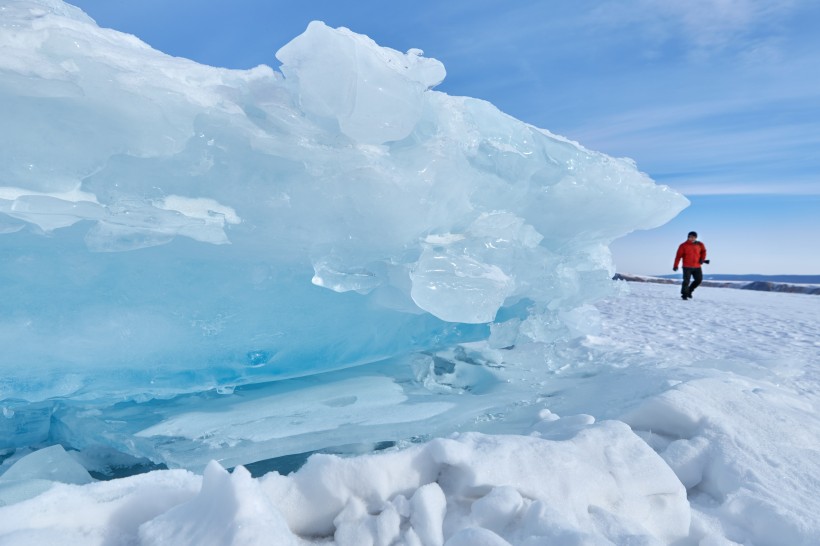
681,422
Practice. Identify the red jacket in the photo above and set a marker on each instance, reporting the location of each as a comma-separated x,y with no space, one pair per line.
693,254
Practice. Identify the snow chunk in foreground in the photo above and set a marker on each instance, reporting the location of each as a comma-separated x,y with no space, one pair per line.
736,444
600,483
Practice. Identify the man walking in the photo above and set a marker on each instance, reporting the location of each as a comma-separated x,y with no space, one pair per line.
693,254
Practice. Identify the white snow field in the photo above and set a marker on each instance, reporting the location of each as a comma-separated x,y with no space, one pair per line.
681,422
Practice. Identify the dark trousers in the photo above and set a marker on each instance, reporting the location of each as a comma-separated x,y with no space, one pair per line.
695,273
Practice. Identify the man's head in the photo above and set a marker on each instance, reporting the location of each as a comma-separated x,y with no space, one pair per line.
693,236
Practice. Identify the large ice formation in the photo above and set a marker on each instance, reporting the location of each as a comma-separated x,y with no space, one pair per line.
172,233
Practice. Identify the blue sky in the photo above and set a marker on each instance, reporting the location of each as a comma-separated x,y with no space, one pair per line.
719,99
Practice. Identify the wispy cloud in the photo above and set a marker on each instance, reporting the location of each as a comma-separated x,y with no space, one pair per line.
699,27
716,150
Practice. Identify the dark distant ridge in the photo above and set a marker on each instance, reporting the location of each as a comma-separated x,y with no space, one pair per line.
791,279
742,282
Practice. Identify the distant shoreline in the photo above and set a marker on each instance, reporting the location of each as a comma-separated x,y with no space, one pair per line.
808,284
791,279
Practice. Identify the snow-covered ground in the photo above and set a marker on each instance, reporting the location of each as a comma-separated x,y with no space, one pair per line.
682,422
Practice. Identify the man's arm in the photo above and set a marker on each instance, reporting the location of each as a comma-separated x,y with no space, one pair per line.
678,258
703,259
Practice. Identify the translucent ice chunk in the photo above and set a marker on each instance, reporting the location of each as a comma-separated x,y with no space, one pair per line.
177,232
50,463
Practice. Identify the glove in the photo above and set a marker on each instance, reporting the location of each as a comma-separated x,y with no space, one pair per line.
706,261
674,269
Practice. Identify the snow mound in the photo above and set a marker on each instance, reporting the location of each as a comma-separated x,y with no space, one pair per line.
601,484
